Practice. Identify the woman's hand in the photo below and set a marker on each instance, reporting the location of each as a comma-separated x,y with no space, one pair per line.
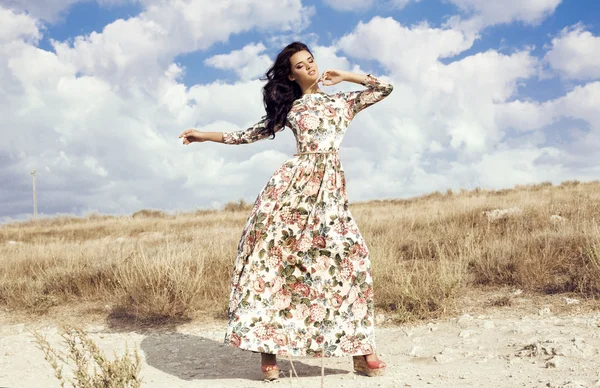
332,77
192,135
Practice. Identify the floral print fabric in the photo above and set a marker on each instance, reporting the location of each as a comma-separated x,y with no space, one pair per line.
302,282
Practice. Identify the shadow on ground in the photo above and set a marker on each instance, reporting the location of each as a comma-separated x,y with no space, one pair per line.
190,357
121,320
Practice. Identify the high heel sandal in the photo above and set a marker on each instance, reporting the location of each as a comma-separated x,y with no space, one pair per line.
370,368
270,372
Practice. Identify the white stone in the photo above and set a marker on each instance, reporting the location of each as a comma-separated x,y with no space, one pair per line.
575,384
465,333
415,351
554,362
442,358
497,214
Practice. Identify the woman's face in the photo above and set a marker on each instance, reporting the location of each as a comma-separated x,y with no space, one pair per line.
304,69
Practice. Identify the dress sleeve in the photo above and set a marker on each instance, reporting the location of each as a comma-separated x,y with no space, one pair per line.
358,100
246,136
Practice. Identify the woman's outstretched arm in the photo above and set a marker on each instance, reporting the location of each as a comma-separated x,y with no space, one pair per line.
244,136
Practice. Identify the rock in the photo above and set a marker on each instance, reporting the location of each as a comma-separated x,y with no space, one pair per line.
484,359
431,326
445,356
521,330
582,348
380,318
442,358
465,333
488,325
556,218
12,329
557,340
498,214
514,361
554,362
415,351
95,328
574,384
544,311
571,300
464,318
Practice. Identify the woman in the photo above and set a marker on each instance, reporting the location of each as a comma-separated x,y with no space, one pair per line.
301,283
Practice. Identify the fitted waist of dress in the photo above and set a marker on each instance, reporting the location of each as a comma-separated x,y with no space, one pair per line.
317,152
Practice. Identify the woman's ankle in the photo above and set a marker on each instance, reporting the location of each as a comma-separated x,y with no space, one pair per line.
267,358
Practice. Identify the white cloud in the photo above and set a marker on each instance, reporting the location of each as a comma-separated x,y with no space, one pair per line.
17,26
576,54
523,115
450,105
140,48
49,10
581,103
486,13
247,63
362,5
54,11
412,50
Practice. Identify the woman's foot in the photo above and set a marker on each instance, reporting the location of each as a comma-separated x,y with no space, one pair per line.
369,364
269,366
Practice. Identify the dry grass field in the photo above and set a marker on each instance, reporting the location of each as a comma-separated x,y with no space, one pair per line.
426,251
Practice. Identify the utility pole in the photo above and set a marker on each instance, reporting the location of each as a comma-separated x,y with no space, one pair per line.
34,198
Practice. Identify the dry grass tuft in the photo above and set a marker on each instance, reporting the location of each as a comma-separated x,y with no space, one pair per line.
240,205
425,251
87,364
149,213
502,301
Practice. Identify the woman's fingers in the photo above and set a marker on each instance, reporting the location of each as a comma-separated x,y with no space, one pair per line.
185,133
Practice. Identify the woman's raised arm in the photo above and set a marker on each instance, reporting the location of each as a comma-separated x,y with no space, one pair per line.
357,100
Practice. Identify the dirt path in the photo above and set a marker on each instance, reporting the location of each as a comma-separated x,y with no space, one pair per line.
530,345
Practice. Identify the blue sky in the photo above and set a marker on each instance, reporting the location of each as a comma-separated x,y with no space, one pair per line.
107,85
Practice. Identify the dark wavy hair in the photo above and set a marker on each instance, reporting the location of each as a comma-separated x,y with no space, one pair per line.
279,92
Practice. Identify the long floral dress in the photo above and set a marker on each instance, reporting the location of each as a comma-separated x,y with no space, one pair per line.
302,282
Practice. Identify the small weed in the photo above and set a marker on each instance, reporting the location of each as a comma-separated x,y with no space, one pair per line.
89,367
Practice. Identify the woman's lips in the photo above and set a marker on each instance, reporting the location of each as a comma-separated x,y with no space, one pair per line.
312,72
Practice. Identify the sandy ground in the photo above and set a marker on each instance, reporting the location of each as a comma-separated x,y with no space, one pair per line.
533,343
